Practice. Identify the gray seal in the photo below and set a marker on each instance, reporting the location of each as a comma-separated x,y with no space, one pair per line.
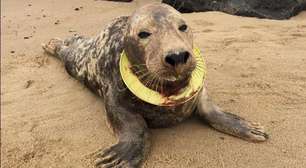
158,42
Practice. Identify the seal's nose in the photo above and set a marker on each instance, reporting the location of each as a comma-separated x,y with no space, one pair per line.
174,59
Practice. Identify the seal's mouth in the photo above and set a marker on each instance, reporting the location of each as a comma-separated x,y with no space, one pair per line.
173,84
152,89
174,77
165,81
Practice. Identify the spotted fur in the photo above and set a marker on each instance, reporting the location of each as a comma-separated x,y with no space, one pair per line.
95,62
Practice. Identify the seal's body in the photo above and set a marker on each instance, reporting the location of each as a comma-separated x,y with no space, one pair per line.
95,62
144,36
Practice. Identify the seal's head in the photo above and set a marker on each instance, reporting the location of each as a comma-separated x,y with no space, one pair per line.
159,45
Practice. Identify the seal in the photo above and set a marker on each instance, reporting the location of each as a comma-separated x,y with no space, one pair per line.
139,64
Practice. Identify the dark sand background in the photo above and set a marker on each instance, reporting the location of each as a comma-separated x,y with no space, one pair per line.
256,68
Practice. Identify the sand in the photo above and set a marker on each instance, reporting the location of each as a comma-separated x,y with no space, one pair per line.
256,68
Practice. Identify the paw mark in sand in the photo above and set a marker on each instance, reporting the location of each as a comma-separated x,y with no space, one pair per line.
246,75
298,35
71,31
229,41
222,138
34,125
40,61
57,22
203,31
206,30
29,83
28,156
259,85
77,9
27,37
248,27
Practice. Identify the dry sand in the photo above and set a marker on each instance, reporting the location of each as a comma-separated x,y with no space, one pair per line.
256,69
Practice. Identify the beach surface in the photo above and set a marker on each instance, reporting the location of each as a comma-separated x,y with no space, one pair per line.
256,69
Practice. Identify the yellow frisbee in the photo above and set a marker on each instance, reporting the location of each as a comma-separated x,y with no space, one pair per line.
156,98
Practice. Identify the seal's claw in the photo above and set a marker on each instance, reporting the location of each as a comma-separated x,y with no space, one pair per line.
123,154
250,131
255,132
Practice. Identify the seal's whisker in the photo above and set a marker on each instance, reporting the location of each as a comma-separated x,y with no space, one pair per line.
162,86
155,83
148,80
138,64
137,68
145,82
158,84
143,77
151,79
144,64
140,71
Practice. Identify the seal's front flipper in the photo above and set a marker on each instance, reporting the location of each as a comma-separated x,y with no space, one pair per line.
130,150
133,138
227,122
123,154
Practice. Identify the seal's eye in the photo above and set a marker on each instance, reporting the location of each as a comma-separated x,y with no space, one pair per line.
144,35
183,28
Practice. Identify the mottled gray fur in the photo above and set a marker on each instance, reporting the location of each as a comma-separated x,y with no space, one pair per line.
95,62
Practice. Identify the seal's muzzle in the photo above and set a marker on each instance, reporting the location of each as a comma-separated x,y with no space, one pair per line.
156,98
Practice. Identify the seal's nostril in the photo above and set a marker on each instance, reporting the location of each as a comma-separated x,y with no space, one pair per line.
185,56
180,58
170,59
